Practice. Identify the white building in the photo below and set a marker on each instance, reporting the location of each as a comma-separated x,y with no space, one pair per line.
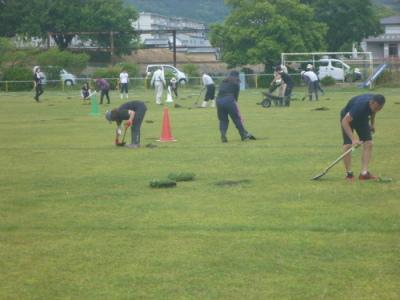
386,45
186,40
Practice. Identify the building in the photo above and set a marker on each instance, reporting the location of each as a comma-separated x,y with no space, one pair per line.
386,45
191,35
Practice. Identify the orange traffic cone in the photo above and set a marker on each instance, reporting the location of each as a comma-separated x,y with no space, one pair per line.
166,129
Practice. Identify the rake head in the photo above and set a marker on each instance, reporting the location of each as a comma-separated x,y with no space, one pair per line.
317,177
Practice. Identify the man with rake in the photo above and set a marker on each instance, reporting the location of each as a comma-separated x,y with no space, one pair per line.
359,115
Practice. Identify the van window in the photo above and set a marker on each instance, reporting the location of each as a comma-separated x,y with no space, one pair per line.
152,69
337,64
169,69
323,63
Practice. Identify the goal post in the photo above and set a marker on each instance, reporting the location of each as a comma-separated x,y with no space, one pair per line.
361,60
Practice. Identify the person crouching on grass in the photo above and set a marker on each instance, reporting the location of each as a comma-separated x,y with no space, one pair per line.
133,112
359,115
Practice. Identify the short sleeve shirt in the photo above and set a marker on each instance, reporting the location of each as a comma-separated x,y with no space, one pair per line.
358,108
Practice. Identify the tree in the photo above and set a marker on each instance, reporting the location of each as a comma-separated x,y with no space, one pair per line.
11,12
258,31
62,16
348,21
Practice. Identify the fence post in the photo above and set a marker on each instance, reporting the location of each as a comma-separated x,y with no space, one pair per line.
6,86
256,81
62,85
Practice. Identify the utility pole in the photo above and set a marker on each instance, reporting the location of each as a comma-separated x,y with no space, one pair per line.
174,45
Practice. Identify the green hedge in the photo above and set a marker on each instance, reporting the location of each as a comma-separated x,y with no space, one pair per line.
328,81
18,74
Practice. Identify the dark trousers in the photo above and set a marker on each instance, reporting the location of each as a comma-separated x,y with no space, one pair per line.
227,106
39,91
175,90
210,92
313,89
137,123
287,96
102,94
124,88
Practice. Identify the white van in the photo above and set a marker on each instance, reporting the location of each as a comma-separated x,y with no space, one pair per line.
334,68
179,75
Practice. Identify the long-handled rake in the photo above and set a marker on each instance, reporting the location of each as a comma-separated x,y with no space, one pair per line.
335,162
195,104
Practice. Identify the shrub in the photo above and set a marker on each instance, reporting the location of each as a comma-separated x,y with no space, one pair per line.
192,72
63,59
264,80
18,74
132,69
328,80
110,74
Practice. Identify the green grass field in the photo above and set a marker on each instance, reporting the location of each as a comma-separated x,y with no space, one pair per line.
78,219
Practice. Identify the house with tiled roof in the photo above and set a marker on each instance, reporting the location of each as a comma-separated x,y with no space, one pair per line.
386,45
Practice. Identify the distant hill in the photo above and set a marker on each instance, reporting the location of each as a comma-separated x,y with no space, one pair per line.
392,4
205,11
214,11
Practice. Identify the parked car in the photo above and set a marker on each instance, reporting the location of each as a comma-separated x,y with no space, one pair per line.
66,77
334,68
179,75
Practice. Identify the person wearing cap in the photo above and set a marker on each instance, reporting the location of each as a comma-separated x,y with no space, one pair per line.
173,86
289,84
104,87
133,113
310,67
227,98
359,115
37,82
209,85
311,80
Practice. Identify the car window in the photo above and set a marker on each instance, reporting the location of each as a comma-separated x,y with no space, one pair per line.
169,69
324,63
152,69
337,64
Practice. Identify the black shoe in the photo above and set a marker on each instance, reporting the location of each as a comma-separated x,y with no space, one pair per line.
224,139
248,137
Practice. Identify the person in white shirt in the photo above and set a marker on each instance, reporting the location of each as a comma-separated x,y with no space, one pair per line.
311,79
158,81
123,83
208,84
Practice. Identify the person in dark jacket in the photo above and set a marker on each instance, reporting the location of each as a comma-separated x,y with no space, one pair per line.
133,112
227,98
289,84
359,115
38,83
104,87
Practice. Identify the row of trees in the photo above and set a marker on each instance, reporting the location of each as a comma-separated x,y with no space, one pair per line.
37,18
257,31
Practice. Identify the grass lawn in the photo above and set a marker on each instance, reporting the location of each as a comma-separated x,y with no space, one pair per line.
78,219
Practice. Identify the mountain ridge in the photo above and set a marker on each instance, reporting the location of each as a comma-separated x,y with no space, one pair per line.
213,11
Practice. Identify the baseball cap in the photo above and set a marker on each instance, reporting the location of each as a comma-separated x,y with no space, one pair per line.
108,116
